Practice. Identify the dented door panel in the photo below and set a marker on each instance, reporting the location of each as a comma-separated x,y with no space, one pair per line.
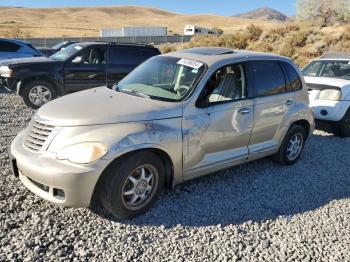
217,138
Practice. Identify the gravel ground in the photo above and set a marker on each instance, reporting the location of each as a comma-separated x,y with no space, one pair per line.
255,212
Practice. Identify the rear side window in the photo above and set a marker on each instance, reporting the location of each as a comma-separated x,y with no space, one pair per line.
268,78
124,55
293,77
148,53
8,47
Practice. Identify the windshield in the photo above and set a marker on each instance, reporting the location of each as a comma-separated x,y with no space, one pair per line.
163,78
334,69
60,45
66,53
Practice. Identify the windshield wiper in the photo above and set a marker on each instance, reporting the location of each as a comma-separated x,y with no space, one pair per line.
134,92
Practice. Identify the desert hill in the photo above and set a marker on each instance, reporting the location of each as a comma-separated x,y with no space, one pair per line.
86,21
264,13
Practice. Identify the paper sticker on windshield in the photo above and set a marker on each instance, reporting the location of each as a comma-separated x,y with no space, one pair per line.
190,63
77,47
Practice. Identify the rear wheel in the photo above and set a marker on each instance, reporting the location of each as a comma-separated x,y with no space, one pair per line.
292,146
131,185
37,93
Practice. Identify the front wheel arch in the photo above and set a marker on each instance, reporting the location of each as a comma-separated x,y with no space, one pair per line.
164,157
27,80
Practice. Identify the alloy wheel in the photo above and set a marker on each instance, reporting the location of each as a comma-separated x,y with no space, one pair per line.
139,187
295,146
39,95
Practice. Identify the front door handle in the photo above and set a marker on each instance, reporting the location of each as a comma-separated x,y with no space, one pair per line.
244,111
289,102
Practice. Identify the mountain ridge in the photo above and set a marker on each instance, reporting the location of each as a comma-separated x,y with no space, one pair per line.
264,13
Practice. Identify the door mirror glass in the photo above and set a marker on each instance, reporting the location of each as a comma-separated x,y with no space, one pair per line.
77,60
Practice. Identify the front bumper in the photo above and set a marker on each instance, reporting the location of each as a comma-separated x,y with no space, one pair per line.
60,182
327,110
9,83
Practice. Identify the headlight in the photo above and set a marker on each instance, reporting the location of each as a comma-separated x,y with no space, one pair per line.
5,71
83,153
330,94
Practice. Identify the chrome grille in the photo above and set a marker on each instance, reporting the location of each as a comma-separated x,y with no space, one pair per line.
38,136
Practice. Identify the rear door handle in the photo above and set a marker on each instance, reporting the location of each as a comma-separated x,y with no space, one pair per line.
244,111
289,102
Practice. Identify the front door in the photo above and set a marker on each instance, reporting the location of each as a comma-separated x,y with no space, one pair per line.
217,136
86,70
271,103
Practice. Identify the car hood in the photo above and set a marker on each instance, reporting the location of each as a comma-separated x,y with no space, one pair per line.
326,81
105,106
27,60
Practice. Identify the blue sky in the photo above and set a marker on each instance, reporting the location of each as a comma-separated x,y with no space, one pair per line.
222,7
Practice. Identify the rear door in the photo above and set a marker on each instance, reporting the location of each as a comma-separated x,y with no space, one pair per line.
87,69
121,61
272,100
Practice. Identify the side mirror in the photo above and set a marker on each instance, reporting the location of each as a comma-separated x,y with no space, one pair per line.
77,60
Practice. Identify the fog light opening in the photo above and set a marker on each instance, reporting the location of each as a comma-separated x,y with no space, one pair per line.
324,112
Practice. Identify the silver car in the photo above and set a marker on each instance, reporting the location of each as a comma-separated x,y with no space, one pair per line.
174,118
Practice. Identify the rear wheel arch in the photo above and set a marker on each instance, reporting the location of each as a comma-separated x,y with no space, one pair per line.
304,124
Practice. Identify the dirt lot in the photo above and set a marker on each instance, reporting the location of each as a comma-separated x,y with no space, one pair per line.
255,212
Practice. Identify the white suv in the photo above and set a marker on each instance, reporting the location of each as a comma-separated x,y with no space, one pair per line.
328,81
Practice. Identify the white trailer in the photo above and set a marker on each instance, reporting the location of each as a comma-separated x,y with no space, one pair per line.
134,31
197,30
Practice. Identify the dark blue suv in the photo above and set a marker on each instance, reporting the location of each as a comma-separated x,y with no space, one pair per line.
12,48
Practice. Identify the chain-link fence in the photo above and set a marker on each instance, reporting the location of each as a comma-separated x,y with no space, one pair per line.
156,40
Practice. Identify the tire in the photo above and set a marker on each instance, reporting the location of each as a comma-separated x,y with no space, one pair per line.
283,156
342,128
115,185
44,91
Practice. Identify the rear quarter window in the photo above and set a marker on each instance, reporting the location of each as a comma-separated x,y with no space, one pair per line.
268,78
294,81
9,47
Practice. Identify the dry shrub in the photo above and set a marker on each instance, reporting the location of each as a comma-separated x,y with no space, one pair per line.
261,46
254,32
297,39
167,48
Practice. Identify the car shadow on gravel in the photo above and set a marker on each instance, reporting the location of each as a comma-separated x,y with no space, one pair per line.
258,191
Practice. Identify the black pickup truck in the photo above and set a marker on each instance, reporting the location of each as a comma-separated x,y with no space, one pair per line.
78,67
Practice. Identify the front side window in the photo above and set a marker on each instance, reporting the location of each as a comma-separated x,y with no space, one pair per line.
92,56
163,78
268,77
68,52
227,84
293,77
334,69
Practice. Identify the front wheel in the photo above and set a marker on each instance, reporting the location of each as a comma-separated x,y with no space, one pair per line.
342,128
37,93
131,185
292,146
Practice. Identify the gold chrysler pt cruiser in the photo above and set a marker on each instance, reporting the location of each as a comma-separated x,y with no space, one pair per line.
176,117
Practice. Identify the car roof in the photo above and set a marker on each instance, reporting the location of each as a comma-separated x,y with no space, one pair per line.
113,43
212,55
338,56
17,41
